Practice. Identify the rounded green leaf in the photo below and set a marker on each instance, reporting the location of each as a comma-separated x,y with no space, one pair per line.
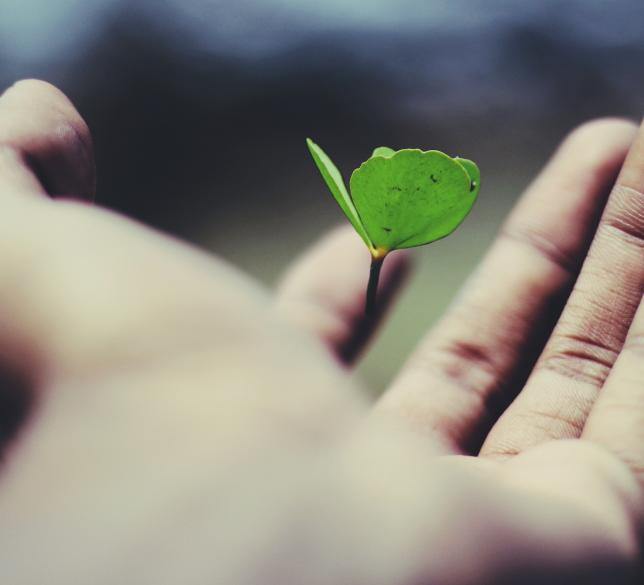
383,151
413,197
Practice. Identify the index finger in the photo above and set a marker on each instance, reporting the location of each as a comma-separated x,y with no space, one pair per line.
323,292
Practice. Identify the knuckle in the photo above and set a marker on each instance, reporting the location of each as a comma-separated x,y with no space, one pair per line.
580,357
624,216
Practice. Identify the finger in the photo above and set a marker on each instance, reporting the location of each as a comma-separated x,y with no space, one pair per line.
45,146
324,291
617,418
473,363
589,336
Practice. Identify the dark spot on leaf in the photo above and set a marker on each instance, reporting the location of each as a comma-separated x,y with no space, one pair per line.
472,186
387,229
434,178
395,188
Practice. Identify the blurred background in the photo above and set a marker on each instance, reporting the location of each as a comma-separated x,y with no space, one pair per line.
199,111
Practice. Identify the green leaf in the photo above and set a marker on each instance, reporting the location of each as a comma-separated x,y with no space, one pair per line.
413,197
383,151
333,179
401,199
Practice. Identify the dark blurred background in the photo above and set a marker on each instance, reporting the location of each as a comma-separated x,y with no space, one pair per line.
199,110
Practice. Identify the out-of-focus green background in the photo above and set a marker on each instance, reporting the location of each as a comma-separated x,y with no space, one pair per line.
199,110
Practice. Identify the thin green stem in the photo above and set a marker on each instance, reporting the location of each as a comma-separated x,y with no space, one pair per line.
372,287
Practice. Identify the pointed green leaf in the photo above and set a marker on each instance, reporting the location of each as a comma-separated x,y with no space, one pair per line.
413,197
383,151
333,179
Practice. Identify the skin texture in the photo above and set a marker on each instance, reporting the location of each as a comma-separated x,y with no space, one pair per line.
172,422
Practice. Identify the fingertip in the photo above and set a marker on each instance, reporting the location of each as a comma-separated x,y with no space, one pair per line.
324,291
632,174
36,88
588,144
40,122
591,130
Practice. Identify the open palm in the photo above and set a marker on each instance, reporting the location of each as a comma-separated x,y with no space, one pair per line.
168,421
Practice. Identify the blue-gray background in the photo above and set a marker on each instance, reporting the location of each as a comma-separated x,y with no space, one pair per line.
199,109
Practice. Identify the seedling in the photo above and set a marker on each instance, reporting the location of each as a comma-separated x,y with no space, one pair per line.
401,199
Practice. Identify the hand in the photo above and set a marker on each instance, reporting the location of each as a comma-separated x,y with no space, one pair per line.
174,428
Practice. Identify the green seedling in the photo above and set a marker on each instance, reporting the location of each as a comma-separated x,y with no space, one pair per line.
401,199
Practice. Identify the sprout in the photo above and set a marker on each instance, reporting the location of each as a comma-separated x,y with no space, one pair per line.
401,199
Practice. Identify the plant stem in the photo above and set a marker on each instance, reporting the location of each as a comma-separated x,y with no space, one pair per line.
372,287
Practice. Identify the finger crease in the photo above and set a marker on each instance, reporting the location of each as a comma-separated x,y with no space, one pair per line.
572,423
630,232
581,358
467,364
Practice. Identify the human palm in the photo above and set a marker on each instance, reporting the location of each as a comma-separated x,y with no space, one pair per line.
172,422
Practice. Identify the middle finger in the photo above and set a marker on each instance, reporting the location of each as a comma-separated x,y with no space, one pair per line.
589,336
